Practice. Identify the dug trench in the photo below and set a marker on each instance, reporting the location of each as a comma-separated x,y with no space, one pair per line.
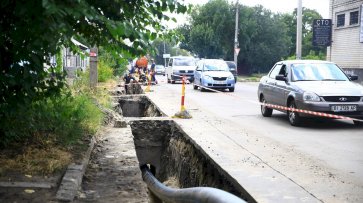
136,106
177,160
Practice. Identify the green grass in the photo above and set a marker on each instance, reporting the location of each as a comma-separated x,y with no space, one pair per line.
105,72
42,137
250,78
65,119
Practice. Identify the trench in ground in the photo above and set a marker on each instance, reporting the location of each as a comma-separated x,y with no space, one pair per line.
178,161
137,106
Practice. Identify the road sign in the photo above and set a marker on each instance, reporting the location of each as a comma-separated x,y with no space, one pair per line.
322,29
236,50
166,56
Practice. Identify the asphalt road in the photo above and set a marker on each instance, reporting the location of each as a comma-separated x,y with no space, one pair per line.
321,156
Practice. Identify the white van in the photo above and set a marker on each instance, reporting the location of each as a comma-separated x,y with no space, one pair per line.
179,66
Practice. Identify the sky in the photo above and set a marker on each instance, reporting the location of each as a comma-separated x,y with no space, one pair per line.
278,6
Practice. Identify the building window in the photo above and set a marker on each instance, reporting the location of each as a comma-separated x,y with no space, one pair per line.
353,18
78,63
341,20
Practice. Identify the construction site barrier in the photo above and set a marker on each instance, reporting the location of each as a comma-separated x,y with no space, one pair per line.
314,113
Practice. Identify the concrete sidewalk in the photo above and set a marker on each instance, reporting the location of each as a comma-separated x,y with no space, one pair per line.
218,139
113,174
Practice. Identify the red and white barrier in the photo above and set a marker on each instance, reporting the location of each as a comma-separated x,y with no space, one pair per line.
314,113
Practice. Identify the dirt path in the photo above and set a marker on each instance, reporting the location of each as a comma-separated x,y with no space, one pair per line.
113,174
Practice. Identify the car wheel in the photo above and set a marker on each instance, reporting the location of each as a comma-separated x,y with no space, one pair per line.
265,111
195,86
202,89
294,117
231,89
358,123
173,82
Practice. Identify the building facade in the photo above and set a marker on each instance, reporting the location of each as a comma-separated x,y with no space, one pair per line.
347,36
74,62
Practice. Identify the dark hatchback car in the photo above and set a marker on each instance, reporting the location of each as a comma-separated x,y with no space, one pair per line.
233,68
313,85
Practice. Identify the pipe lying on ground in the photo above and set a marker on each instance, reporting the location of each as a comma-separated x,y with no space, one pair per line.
186,195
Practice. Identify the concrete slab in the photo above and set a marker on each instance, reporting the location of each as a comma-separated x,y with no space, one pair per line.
113,174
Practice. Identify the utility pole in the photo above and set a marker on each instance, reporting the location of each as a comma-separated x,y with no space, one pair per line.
236,39
164,55
299,29
93,67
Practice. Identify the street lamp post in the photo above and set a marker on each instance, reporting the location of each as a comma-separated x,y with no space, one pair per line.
299,29
164,55
236,39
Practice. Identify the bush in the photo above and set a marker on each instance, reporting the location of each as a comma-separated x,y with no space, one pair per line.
311,56
105,72
64,119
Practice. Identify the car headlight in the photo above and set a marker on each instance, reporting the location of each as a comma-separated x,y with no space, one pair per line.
207,77
231,77
310,96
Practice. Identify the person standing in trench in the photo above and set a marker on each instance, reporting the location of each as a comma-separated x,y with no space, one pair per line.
152,72
128,78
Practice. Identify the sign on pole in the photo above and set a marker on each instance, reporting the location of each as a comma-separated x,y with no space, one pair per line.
322,29
166,56
236,50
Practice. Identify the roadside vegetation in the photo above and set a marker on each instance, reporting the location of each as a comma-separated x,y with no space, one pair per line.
250,78
45,122
43,137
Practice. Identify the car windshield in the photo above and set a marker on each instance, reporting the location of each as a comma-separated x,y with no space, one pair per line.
216,65
317,72
184,62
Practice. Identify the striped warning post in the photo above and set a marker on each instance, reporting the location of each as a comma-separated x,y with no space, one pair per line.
182,108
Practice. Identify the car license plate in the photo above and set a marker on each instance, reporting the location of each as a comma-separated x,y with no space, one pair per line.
342,108
219,82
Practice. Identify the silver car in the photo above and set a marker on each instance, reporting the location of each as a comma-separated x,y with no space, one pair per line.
213,74
318,86
160,70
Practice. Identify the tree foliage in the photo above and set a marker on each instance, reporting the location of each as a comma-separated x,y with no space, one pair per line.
170,48
264,37
307,30
32,31
211,28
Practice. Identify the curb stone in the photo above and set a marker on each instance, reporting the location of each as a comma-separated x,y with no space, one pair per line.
72,179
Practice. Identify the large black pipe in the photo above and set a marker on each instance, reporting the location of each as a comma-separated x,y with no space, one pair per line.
187,195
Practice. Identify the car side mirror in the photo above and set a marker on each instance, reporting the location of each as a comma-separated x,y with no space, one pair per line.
353,77
281,77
